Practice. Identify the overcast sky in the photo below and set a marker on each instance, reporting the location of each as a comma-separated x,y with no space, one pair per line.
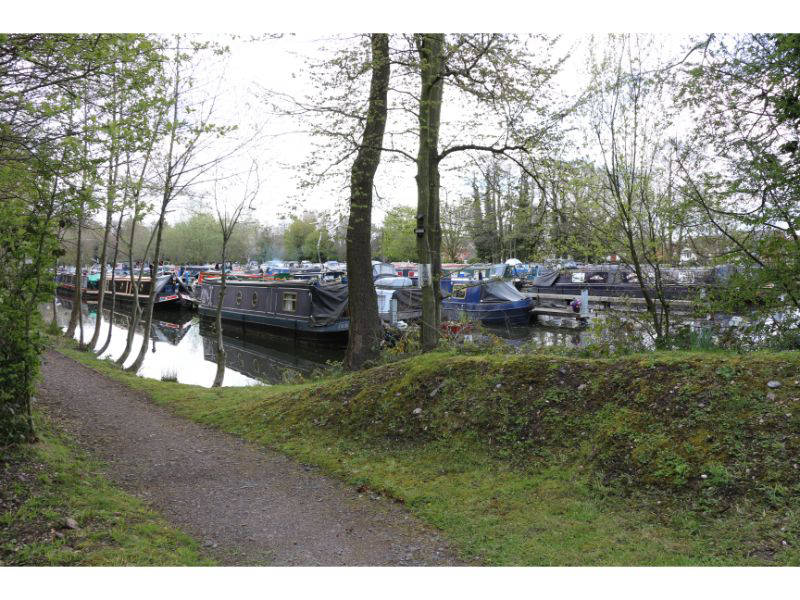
279,64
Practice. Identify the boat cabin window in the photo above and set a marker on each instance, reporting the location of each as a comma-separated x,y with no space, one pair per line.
459,291
238,298
578,277
290,301
255,299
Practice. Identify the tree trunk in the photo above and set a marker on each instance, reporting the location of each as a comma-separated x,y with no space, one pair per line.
76,297
113,169
135,289
165,200
148,311
431,51
54,323
102,283
365,334
220,376
113,286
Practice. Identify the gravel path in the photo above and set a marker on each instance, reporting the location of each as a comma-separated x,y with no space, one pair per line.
247,505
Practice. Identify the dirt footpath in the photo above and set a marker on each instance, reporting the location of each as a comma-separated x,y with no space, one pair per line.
246,505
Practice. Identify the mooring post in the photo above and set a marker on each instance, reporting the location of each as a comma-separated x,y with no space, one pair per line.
584,304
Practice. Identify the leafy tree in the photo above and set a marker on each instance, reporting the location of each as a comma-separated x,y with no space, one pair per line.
638,196
455,229
294,238
501,82
122,119
397,238
42,80
743,168
305,236
188,129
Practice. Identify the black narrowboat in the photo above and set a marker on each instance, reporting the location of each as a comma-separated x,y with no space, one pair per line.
298,309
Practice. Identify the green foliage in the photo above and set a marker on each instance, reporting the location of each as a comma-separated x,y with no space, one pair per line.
398,242
59,114
303,237
744,172
198,240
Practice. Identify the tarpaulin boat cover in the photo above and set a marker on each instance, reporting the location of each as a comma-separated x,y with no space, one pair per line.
161,282
500,291
408,299
546,277
394,282
328,303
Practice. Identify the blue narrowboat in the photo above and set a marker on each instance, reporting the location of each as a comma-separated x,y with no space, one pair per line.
492,302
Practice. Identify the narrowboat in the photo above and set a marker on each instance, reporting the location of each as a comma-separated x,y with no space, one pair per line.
170,291
408,303
492,302
65,285
299,309
621,281
406,269
469,274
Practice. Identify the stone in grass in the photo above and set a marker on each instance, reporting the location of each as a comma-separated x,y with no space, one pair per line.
773,384
417,411
71,523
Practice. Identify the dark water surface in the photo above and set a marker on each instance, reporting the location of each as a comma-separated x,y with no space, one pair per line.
183,345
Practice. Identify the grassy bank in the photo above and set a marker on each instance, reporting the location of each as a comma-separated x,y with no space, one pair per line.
57,509
650,459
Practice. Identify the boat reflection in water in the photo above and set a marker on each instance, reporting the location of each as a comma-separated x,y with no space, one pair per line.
266,357
180,347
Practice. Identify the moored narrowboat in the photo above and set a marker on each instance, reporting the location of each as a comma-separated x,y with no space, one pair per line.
170,290
295,308
621,281
65,285
491,302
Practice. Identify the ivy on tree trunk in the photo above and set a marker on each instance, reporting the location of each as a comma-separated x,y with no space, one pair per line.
365,326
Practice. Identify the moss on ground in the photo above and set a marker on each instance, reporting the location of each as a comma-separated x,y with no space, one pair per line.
665,458
50,485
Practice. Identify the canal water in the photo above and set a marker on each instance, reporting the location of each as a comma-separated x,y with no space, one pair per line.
183,346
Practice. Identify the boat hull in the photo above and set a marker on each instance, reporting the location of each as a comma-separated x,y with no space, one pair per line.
288,327
512,313
66,289
294,309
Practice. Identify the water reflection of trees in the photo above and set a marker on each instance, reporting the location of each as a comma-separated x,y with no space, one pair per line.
169,325
264,356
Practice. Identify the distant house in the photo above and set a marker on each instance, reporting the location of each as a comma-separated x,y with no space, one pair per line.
688,255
